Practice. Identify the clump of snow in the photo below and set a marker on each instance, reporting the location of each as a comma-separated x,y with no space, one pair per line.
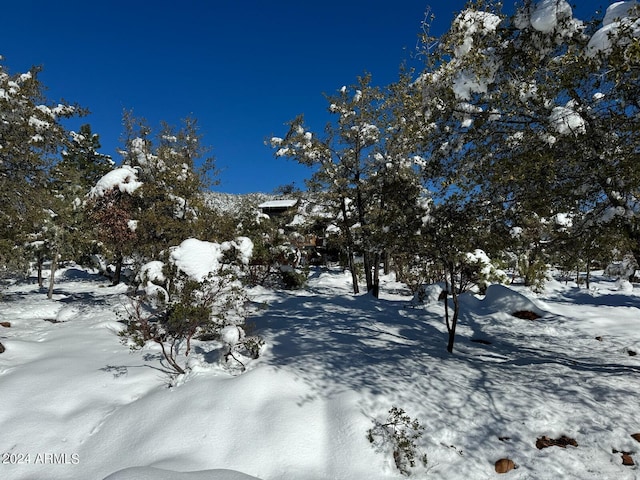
151,276
197,258
516,232
466,83
624,285
124,178
429,294
620,17
567,121
39,125
472,24
231,334
564,220
152,271
244,246
547,14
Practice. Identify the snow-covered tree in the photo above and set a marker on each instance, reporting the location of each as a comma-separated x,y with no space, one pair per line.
113,206
66,232
459,231
31,139
539,110
399,197
339,158
174,172
364,167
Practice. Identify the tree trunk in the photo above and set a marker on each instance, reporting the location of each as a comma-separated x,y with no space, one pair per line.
52,276
354,271
634,234
368,270
456,311
118,271
445,296
349,242
454,322
40,278
375,290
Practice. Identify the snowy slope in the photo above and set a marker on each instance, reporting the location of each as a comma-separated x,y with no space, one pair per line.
77,404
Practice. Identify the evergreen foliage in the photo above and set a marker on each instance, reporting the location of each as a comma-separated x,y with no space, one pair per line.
174,171
171,308
399,434
31,137
361,162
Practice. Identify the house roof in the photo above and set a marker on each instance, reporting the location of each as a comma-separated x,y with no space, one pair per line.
278,204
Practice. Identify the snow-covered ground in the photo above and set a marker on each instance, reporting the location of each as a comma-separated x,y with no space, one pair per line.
75,403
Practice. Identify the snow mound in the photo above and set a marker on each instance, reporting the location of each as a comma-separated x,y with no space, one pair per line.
500,298
429,294
150,473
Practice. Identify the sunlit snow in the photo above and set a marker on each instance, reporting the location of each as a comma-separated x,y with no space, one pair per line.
334,362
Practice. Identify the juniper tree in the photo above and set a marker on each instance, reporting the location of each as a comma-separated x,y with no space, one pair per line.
79,169
175,172
32,137
538,110
112,203
177,300
340,161
399,197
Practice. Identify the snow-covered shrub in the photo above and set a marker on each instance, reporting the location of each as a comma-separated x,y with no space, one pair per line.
196,293
293,279
533,272
429,294
483,271
398,435
624,269
239,347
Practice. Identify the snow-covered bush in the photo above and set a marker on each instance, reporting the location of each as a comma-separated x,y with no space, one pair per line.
398,435
292,278
196,293
624,269
483,271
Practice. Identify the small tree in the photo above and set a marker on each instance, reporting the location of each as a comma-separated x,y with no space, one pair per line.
457,228
171,197
399,434
341,158
112,205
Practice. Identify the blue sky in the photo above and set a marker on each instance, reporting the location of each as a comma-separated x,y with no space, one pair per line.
242,68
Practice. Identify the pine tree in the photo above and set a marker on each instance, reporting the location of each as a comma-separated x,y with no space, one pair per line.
343,167
31,137
81,167
175,171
